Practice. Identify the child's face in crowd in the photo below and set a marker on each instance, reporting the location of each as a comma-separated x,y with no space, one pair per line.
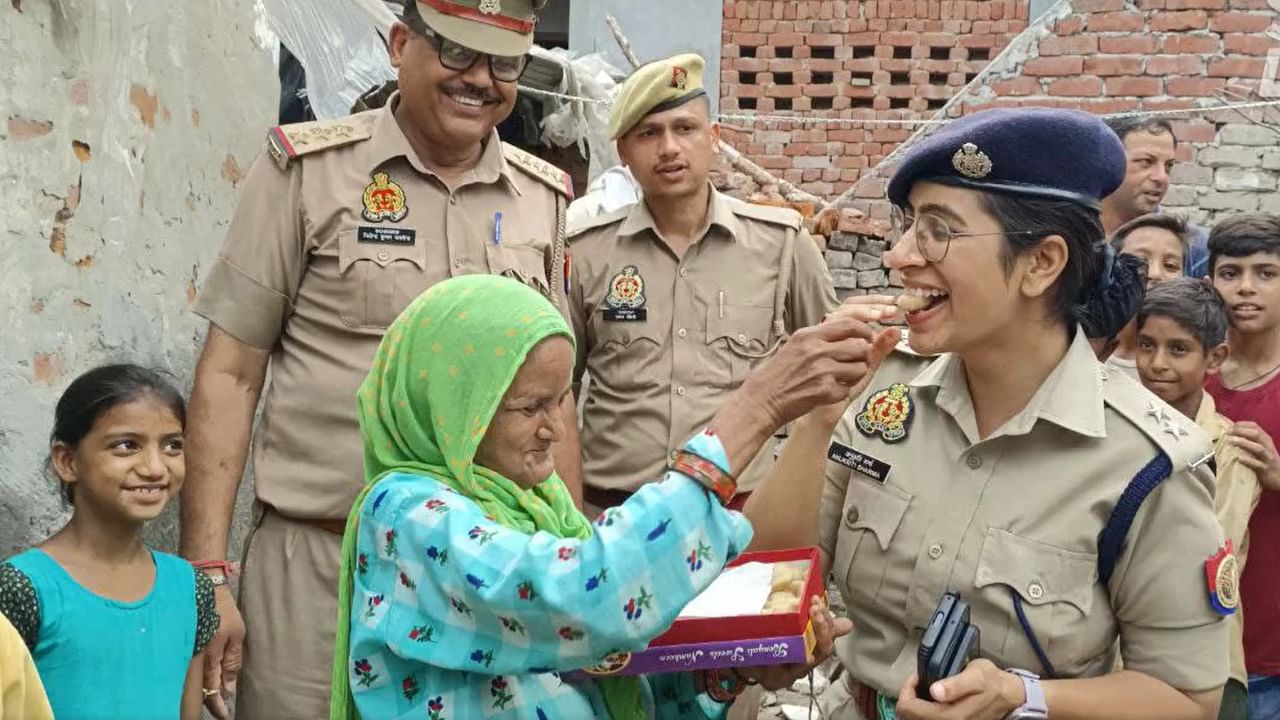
1250,285
1171,361
129,464
1160,248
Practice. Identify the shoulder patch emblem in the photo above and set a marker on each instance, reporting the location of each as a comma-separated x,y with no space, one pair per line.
384,200
887,413
1221,574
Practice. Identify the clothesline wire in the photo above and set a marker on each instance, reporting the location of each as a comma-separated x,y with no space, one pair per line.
756,118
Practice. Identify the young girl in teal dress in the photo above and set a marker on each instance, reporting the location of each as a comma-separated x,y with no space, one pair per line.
115,628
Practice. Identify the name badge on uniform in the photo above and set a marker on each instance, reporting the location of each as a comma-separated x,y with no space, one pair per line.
859,462
625,301
386,235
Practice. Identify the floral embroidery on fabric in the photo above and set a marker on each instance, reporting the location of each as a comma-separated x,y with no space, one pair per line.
435,706
372,606
407,582
571,634
410,688
606,518
377,501
526,591
501,696
440,556
482,657
596,580
389,543
697,556
481,535
658,531
365,672
461,607
636,605
512,625
423,634
566,553
362,564
439,506
476,582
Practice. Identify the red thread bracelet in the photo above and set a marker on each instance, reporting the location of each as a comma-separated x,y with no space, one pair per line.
228,569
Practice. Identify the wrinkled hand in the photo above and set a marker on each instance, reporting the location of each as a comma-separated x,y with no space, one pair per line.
817,366
1259,452
223,655
826,628
865,309
981,691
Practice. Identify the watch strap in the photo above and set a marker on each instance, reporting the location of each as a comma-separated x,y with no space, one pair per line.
1034,707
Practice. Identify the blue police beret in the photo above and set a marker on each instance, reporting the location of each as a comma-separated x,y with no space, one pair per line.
1036,152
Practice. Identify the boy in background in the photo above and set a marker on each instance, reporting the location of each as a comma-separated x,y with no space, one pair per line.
1181,331
1244,263
1161,240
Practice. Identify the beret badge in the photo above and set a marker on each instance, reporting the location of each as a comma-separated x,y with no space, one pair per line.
971,162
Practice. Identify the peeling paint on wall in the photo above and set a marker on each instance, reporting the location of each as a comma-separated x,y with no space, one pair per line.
112,210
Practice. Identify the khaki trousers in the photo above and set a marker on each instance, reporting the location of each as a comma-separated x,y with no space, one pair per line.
289,600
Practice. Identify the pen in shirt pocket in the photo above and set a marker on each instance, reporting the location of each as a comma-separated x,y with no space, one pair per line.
497,229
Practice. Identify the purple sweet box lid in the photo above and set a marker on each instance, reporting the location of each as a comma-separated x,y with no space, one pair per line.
702,656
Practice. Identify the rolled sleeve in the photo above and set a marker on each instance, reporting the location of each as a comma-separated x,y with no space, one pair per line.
1160,595
812,294
250,289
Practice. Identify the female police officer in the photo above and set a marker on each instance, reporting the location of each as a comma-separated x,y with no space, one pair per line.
988,455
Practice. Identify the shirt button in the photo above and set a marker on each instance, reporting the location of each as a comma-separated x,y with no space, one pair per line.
681,391
684,272
383,256
672,456
851,516
453,199
1035,591
973,461
682,332
742,338
457,263
935,551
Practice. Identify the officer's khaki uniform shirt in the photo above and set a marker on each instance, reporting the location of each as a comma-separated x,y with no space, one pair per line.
1237,494
1021,512
305,275
708,318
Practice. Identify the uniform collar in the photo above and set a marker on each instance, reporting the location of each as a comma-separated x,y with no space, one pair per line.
1071,397
719,214
388,143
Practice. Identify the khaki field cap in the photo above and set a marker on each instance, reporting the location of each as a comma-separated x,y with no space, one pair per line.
659,86
495,27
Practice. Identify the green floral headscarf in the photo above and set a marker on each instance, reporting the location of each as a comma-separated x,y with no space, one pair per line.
439,374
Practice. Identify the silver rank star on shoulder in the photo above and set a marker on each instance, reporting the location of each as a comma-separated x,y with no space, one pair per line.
1177,431
1157,412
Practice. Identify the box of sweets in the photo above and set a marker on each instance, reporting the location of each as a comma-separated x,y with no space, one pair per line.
755,613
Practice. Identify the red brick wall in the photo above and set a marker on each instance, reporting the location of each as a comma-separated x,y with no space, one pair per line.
876,59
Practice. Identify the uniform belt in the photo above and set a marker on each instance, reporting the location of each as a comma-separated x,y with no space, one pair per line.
865,699
337,527
604,498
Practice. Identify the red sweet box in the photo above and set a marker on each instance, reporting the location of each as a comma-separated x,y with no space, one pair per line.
736,641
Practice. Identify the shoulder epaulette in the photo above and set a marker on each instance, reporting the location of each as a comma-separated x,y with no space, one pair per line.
1177,436
767,213
596,221
288,142
540,169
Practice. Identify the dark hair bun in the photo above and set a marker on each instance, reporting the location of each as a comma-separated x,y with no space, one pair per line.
1108,304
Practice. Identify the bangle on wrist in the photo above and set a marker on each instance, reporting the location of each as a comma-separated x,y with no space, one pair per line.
707,474
227,569
724,688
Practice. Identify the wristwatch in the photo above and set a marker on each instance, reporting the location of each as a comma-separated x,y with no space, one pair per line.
1033,708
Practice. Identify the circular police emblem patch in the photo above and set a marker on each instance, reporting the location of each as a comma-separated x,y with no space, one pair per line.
887,413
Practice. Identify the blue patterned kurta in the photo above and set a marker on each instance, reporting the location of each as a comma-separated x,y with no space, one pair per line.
456,617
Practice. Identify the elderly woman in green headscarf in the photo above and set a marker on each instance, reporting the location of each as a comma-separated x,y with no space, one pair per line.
469,579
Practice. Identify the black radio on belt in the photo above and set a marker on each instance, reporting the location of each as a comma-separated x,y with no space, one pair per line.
949,643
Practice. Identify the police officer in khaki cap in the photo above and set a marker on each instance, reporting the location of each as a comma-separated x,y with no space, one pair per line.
338,228
675,298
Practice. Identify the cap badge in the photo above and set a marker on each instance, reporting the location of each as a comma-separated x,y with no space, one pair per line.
679,78
490,7
971,162
887,413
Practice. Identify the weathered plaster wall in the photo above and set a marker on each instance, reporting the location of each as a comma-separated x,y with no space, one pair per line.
125,126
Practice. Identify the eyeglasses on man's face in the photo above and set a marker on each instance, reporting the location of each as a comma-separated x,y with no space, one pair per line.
460,58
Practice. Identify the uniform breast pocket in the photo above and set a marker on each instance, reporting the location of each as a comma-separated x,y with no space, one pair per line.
525,263
625,354
740,336
1055,588
871,516
379,279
